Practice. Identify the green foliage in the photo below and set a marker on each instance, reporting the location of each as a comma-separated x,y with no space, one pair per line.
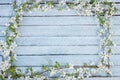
44,67
8,40
25,5
70,5
85,65
67,66
101,20
14,5
2,77
60,9
109,50
12,71
50,3
92,1
11,28
57,65
55,78
110,43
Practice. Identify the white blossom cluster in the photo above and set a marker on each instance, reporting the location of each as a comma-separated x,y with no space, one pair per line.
106,41
84,9
4,65
5,51
47,6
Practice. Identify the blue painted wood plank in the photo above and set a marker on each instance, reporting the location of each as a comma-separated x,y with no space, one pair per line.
6,1
58,41
62,50
76,20
63,59
64,20
90,30
62,41
50,31
0,57
41,50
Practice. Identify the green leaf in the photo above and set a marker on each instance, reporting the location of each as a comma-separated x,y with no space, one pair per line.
19,75
36,5
1,77
101,19
60,9
85,65
50,3
57,65
69,4
8,40
12,59
30,69
109,50
44,67
67,65
14,5
92,1
11,28
24,6
110,43
12,71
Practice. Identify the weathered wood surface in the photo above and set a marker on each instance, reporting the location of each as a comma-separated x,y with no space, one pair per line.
60,36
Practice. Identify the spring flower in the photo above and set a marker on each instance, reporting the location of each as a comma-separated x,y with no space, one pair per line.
4,33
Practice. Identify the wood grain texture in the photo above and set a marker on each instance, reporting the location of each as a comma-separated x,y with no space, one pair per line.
70,20
46,37
66,50
62,41
64,31
63,59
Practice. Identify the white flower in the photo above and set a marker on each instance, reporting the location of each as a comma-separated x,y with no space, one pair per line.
62,3
12,19
71,66
25,78
5,53
3,45
7,24
101,32
93,71
13,45
4,33
4,65
63,73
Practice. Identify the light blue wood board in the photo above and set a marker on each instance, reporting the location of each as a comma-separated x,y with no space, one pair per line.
64,20
60,36
63,59
62,41
64,31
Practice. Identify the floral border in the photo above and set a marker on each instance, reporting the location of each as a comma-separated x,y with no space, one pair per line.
103,11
